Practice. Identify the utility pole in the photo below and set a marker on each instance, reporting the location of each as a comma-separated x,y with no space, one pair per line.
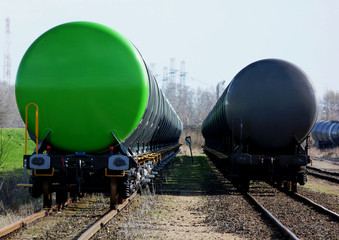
165,78
182,73
7,56
172,70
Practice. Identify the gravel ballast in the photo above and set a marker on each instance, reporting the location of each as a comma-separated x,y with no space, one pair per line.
303,220
194,202
68,223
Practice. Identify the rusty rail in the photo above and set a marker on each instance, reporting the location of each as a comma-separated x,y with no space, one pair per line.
106,218
30,219
284,229
317,206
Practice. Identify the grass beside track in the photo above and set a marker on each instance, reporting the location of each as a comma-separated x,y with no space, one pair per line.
15,202
14,140
193,178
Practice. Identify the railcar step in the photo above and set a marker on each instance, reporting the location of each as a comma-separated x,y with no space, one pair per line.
24,185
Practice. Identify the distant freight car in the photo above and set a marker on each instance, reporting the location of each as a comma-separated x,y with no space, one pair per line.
326,134
259,127
100,121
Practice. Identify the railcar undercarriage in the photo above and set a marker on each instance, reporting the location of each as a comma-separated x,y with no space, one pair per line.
114,173
241,168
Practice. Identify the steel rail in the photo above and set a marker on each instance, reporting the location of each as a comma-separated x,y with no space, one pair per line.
106,218
317,206
309,202
323,171
284,229
30,219
322,176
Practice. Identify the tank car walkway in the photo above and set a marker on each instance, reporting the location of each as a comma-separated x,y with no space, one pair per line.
193,201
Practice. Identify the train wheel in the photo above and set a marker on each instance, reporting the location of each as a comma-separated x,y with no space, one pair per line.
280,184
61,198
46,188
120,199
35,191
294,186
244,184
287,186
114,193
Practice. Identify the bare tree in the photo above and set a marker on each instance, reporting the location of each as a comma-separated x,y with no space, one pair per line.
329,106
205,100
9,114
192,106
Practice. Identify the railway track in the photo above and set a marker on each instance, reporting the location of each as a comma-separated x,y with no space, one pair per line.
316,205
222,207
79,221
69,223
191,201
106,218
299,218
31,219
319,215
197,201
323,174
287,232
95,208
321,221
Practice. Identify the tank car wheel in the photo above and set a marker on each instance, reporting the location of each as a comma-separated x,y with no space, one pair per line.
244,184
121,199
294,187
61,198
36,190
302,177
46,187
287,186
114,193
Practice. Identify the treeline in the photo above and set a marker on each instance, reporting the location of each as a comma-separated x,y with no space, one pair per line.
191,105
329,106
9,114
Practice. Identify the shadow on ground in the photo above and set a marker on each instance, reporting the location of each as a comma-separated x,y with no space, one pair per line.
186,178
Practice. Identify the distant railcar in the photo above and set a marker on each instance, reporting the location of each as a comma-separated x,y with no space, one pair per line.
326,134
259,127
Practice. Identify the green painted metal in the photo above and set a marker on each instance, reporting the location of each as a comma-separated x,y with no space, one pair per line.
88,81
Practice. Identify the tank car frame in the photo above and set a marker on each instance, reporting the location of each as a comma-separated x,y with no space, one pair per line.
117,171
241,166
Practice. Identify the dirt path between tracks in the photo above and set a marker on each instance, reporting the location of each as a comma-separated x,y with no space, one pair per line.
192,203
171,217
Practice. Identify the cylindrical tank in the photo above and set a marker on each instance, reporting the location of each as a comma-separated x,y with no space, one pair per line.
326,131
272,99
89,81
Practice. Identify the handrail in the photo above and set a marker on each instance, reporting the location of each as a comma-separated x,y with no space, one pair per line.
36,127
108,175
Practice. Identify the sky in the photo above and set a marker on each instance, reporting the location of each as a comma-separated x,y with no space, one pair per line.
216,38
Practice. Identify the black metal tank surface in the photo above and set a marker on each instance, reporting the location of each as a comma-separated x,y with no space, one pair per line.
160,126
258,127
273,100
